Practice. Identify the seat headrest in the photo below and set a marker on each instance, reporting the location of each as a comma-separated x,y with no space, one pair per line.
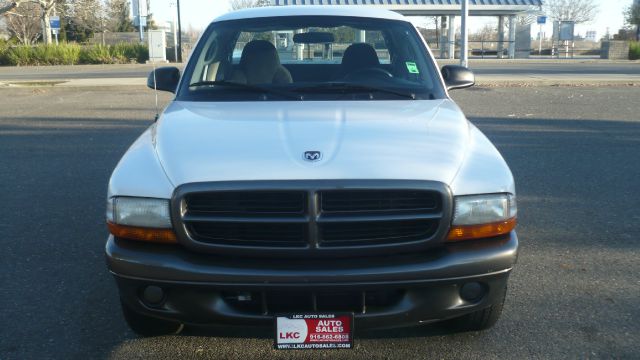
359,56
259,62
259,51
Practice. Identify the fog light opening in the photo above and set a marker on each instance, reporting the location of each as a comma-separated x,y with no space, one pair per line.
153,295
472,291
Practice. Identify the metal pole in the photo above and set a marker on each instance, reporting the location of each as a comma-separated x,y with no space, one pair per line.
464,48
500,52
141,29
175,39
452,37
179,33
512,37
540,36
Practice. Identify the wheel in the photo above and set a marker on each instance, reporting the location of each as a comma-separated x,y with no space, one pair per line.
479,320
147,325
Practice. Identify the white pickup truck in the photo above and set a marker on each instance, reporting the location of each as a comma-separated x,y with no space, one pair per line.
328,176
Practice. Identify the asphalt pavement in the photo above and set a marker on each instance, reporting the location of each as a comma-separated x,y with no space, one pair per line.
574,292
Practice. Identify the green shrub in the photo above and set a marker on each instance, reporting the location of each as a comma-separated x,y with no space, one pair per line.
4,49
97,54
63,54
132,52
634,50
20,55
71,53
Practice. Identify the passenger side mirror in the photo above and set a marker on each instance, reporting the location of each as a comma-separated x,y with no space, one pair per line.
165,79
458,77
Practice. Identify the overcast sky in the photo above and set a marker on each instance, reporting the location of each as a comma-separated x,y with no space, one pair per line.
199,13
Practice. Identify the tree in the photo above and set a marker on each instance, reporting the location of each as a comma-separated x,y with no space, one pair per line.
23,23
83,18
118,15
580,11
486,33
632,16
243,4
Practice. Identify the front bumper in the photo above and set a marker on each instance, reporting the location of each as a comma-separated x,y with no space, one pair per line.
199,288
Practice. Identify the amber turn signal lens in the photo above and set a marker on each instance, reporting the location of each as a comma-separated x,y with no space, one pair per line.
164,236
468,232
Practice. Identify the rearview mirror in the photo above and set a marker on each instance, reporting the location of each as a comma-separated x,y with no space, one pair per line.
457,77
164,79
314,37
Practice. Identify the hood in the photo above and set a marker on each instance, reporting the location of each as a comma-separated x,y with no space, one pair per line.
414,140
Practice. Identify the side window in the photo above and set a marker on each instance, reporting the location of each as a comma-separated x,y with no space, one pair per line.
208,60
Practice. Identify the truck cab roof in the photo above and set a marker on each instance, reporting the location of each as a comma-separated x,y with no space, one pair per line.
273,11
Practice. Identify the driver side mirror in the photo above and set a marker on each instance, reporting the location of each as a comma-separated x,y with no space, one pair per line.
164,79
458,77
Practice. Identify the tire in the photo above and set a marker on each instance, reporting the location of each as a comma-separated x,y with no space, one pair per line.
149,326
479,320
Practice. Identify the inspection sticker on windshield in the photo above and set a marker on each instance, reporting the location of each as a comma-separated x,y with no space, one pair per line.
314,331
412,67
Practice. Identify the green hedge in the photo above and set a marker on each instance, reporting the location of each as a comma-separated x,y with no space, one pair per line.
71,54
634,50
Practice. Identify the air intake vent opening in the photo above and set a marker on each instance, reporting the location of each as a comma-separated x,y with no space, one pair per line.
247,203
375,201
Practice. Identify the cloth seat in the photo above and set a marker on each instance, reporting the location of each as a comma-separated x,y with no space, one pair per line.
260,64
357,57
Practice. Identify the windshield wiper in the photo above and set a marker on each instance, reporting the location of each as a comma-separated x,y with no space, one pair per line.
351,87
247,87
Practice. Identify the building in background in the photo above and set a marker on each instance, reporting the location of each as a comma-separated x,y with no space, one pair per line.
592,36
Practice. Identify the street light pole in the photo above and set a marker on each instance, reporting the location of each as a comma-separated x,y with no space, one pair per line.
464,48
179,35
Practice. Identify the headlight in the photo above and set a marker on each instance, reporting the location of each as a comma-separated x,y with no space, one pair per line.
140,219
483,216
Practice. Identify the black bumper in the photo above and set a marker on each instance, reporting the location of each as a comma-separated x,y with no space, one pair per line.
416,288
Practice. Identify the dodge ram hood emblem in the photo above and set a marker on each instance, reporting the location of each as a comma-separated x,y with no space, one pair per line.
312,155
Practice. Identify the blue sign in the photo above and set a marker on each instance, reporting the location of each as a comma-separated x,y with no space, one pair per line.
54,21
140,19
542,20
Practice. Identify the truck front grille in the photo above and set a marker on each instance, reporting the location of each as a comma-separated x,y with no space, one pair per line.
310,218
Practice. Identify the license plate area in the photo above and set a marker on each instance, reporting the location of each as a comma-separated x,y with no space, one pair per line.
313,331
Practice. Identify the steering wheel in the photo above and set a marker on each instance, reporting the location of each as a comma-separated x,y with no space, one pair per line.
369,73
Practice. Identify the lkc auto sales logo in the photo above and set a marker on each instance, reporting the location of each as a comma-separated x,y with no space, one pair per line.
314,331
292,331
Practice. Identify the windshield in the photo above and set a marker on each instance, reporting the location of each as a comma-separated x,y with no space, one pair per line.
310,58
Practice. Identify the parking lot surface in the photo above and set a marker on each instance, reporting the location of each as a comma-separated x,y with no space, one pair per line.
575,154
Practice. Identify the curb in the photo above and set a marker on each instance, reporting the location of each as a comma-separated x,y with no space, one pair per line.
97,82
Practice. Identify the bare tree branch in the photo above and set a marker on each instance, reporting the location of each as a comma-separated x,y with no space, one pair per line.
24,23
580,11
243,4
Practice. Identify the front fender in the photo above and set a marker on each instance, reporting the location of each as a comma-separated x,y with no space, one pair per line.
139,173
484,170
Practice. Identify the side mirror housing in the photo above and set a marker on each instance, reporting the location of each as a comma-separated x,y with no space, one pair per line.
458,77
164,79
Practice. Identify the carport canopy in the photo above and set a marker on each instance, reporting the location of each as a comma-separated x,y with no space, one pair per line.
431,7
450,8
